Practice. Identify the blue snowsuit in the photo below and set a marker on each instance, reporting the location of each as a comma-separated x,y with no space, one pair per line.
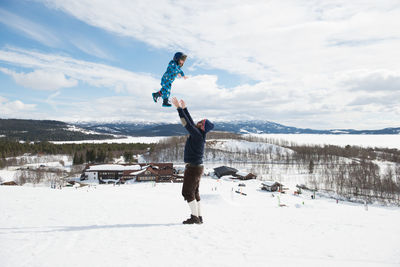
169,76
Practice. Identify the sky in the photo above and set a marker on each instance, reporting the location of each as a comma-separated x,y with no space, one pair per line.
322,64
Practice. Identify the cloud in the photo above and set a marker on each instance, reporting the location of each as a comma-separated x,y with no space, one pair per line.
48,80
375,81
67,71
29,28
258,39
14,108
89,48
298,103
309,61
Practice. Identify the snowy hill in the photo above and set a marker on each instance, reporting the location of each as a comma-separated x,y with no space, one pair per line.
140,225
42,130
239,127
46,130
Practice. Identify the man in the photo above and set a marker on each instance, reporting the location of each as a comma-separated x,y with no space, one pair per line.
193,157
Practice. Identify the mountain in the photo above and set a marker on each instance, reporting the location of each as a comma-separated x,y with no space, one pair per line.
47,130
239,127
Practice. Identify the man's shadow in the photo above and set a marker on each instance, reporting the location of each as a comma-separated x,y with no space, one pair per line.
49,229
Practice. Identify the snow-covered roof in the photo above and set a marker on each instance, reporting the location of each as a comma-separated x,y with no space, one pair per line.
242,173
138,172
269,183
113,167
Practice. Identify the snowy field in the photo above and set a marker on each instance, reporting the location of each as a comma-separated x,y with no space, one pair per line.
140,225
363,140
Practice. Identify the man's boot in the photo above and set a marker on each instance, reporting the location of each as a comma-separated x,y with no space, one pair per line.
192,220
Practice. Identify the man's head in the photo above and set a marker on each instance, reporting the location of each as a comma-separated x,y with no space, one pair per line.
205,125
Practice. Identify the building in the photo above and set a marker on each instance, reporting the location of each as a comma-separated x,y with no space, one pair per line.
271,186
224,170
244,176
120,173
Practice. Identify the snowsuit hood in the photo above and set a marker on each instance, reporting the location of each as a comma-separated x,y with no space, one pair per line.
179,55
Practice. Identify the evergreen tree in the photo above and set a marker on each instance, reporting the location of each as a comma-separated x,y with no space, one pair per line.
128,156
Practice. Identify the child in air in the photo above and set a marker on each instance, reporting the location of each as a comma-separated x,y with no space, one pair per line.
173,70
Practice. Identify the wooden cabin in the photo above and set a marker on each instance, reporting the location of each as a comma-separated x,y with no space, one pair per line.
271,186
244,176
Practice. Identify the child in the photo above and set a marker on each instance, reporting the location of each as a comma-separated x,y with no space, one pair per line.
173,70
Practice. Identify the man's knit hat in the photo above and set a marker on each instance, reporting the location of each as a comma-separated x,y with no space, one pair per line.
206,125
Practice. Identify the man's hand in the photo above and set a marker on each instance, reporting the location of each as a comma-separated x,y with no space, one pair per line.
175,102
185,77
182,104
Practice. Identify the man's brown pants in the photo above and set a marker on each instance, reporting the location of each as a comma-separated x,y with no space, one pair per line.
191,182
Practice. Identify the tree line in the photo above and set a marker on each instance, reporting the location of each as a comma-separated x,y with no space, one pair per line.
82,153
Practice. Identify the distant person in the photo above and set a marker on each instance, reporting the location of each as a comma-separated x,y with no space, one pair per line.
173,70
193,157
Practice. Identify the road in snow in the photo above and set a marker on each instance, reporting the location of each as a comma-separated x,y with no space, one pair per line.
140,225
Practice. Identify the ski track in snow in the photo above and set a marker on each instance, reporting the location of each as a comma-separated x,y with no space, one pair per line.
140,225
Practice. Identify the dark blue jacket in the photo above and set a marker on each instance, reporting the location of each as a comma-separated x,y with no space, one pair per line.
194,147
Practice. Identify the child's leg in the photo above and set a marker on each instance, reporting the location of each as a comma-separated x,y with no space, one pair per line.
166,91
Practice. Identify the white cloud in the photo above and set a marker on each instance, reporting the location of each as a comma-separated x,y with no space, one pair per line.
15,108
259,39
89,47
29,28
312,60
41,79
95,74
298,103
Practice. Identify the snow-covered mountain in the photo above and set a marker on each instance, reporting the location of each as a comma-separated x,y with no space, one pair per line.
239,127
43,130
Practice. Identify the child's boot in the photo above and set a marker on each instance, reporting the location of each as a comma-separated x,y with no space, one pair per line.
156,96
166,103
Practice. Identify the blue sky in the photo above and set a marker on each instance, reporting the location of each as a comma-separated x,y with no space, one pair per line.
317,64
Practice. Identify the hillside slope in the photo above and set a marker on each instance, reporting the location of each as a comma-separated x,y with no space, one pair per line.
140,225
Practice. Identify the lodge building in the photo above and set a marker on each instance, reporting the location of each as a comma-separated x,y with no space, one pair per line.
120,173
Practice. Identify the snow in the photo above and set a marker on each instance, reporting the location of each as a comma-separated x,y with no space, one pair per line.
73,128
126,140
7,175
241,173
140,225
232,145
363,140
113,167
268,183
62,162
